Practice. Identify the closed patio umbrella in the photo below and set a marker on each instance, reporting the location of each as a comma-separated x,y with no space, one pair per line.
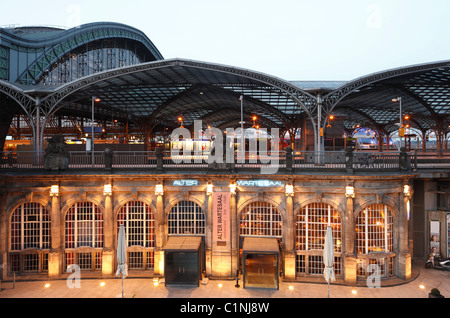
328,258
122,269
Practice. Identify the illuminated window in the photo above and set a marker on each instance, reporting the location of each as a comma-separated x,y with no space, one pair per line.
186,217
374,230
84,226
312,222
30,228
139,224
311,227
261,219
84,229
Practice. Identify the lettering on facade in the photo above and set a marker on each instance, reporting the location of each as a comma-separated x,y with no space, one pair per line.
185,183
221,224
259,183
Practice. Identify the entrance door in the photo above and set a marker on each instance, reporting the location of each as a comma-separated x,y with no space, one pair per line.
261,270
182,268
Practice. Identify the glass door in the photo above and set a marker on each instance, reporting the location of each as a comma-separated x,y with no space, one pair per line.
260,270
181,268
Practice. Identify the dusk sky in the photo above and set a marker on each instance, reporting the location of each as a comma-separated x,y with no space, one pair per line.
290,39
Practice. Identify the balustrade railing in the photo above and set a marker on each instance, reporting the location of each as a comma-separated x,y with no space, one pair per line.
339,160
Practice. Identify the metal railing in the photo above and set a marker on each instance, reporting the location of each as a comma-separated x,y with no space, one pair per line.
338,160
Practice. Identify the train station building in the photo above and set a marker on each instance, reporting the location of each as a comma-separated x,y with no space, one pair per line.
215,171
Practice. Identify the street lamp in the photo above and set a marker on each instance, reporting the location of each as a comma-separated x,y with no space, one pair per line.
94,99
401,132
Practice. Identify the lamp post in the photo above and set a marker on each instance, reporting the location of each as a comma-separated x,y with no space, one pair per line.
400,131
242,128
94,99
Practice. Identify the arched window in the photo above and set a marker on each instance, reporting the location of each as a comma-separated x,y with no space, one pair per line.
312,222
139,224
311,227
261,219
84,236
30,236
374,230
84,226
186,218
374,238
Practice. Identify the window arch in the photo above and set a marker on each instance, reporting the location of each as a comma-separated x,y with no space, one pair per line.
311,227
186,218
30,238
374,227
261,219
312,222
30,227
84,236
139,224
84,226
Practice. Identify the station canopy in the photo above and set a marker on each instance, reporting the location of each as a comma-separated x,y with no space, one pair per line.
158,93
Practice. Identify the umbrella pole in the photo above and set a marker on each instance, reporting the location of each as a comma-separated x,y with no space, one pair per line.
328,289
122,285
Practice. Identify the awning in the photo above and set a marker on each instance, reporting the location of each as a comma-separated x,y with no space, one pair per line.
260,245
183,243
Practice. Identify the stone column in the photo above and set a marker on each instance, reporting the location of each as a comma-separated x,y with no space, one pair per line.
160,236
108,238
289,260
350,270
404,256
55,259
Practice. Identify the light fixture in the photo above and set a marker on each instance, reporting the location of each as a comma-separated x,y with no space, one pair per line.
107,189
102,284
209,188
331,117
289,190
47,285
407,190
159,189
350,191
54,190
233,187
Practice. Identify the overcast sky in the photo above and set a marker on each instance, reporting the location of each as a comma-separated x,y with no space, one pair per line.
291,39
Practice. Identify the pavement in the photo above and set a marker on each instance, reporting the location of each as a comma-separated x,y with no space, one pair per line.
418,287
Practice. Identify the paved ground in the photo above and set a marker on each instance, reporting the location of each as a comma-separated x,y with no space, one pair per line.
144,288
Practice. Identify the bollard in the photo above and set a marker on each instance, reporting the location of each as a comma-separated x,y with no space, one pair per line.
237,280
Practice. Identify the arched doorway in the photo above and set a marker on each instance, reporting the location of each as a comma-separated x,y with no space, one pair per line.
184,258
260,240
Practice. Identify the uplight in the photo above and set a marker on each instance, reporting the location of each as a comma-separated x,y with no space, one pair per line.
233,188
220,285
209,188
102,284
54,190
47,285
354,292
159,189
107,189
289,190
349,191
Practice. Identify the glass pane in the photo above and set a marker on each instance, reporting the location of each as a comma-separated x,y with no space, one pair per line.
261,271
181,268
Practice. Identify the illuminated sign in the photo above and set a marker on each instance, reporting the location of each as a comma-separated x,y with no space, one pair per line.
185,183
259,183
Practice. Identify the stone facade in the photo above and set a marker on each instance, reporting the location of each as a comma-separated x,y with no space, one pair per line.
219,260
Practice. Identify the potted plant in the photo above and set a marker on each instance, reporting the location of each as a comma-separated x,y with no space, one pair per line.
435,293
